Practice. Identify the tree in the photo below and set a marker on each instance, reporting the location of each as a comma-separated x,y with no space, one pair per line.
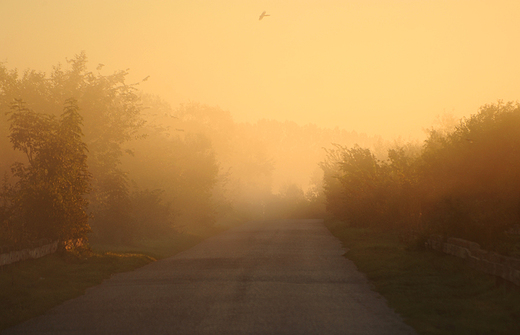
111,112
365,191
472,175
9,234
50,192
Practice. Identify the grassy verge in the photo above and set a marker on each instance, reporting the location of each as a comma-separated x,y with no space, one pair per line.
157,249
433,292
30,288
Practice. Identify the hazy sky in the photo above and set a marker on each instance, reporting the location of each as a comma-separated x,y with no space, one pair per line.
383,67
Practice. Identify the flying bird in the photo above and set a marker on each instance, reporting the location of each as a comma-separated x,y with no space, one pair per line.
262,15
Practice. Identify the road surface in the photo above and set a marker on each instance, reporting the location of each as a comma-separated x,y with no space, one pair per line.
269,277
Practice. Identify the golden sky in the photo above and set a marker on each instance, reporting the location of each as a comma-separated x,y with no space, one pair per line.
384,67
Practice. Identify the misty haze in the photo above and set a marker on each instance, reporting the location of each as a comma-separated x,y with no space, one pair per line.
280,167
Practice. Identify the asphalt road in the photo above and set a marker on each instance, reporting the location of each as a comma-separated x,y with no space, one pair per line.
271,277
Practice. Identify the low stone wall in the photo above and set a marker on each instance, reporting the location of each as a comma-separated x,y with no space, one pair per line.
41,249
493,263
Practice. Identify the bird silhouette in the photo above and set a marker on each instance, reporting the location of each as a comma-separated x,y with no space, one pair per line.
262,15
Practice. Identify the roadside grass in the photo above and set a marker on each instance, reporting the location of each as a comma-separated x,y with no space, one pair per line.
30,288
156,248
433,292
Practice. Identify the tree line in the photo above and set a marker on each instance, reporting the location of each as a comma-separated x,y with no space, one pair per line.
463,181
87,154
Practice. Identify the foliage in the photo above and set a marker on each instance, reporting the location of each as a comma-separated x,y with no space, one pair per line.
111,113
175,166
463,182
151,218
360,188
292,202
194,159
112,208
197,178
7,193
49,198
473,174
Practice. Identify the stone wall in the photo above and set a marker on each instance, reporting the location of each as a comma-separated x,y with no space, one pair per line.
39,249
493,263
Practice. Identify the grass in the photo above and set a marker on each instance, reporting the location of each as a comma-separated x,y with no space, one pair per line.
158,249
433,292
30,288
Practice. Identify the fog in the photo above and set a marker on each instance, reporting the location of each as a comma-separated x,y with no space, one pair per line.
381,67
203,113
